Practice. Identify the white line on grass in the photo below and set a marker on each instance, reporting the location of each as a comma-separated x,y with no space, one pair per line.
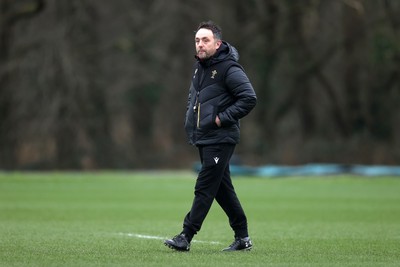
163,238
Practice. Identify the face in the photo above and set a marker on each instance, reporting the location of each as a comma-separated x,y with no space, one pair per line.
206,44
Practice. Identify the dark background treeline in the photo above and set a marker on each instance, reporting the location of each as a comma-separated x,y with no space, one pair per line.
88,84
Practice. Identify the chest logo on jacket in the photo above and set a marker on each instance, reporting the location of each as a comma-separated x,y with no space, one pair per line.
194,73
213,73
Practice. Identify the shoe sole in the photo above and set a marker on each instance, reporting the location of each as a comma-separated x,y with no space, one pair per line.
176,248
246,249
238,250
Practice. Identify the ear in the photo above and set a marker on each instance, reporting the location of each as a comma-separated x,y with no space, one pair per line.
218,44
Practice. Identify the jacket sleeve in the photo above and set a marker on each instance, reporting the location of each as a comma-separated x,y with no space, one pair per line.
243,93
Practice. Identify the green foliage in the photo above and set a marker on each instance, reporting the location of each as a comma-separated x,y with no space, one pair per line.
385,49
125,45
148,94
83,219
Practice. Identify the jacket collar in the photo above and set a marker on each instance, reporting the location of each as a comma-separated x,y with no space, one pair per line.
224,52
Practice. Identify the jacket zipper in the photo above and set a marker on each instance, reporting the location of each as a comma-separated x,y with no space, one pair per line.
198,115
196,109
196,106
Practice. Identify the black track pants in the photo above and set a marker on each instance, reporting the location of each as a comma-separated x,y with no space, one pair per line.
214,182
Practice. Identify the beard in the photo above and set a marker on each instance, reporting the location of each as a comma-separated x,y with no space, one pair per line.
203,54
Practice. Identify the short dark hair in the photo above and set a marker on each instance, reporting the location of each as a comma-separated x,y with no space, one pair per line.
210,25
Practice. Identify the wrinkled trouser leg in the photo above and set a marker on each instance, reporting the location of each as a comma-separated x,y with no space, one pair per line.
214,181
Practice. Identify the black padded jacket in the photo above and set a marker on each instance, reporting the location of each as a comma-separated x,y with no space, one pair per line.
219,87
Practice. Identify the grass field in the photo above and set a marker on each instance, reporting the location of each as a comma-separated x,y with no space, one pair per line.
120,219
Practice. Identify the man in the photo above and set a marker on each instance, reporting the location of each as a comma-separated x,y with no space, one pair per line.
220,94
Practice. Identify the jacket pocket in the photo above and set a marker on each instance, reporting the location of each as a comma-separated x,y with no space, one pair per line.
206,117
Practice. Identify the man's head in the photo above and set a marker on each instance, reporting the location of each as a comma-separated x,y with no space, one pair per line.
208,39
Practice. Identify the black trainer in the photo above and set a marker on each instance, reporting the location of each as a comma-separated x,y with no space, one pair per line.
240,244
178,242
